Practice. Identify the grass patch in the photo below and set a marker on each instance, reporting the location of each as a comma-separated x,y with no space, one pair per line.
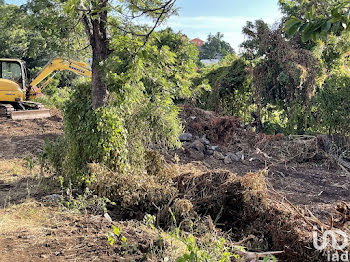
29,216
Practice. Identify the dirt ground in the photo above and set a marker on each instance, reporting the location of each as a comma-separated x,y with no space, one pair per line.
33,231
22,138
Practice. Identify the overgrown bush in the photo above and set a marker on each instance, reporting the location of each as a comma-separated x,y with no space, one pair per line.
332,104
140,116
55,98
231,90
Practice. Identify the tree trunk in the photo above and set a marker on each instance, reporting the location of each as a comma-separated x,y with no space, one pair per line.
99,88
96,28
258,122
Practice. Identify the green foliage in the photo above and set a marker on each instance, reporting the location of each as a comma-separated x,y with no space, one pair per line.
54,97
115,235
14,39
285,75
314,21
90,136
209,250
326,23
38,31
231,89
332,104
333,52
140,115
215,46
87,202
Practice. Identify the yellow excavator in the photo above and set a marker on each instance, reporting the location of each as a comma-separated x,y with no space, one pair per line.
16,93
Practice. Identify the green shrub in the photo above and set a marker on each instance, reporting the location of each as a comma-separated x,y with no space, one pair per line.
231,89
89,136
58,91
332,104
140,115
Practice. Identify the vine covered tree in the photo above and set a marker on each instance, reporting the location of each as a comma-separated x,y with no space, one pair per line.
285,76
103,18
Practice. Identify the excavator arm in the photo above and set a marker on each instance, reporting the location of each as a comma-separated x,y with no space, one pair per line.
59,64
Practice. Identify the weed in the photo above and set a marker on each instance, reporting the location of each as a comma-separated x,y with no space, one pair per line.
30,165
86,203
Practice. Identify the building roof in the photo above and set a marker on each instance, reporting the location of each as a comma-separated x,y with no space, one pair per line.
198,42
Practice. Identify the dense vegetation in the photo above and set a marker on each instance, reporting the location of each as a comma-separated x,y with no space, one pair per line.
296,83
215,47
290,85
291,77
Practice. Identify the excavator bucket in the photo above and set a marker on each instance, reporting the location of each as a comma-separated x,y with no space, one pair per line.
30,114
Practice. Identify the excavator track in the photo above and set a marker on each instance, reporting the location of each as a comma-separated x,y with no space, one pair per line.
6,110
24,110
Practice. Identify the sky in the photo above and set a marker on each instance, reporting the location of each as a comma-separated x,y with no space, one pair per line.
198,18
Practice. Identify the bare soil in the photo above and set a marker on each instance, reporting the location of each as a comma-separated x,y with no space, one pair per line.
60,236
20,138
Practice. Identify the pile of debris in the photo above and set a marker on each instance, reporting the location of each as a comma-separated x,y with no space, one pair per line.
228,139
198,148
250,210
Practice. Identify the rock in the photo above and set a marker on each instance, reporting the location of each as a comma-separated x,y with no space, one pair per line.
227,160
53,198
233,157
186,144
185,137
218,155
240,155
214,148
196,155
106,216
209,152
204,140
58,253
26,236
198,145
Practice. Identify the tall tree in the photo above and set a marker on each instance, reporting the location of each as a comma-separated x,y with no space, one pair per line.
37,31
285,75
102,18
215,46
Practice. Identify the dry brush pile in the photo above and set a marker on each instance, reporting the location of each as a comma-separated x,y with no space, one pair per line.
247,207
221,201
234,135
250,210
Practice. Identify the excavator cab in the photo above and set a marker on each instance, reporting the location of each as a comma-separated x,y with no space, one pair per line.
14,92
14,71
12,80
